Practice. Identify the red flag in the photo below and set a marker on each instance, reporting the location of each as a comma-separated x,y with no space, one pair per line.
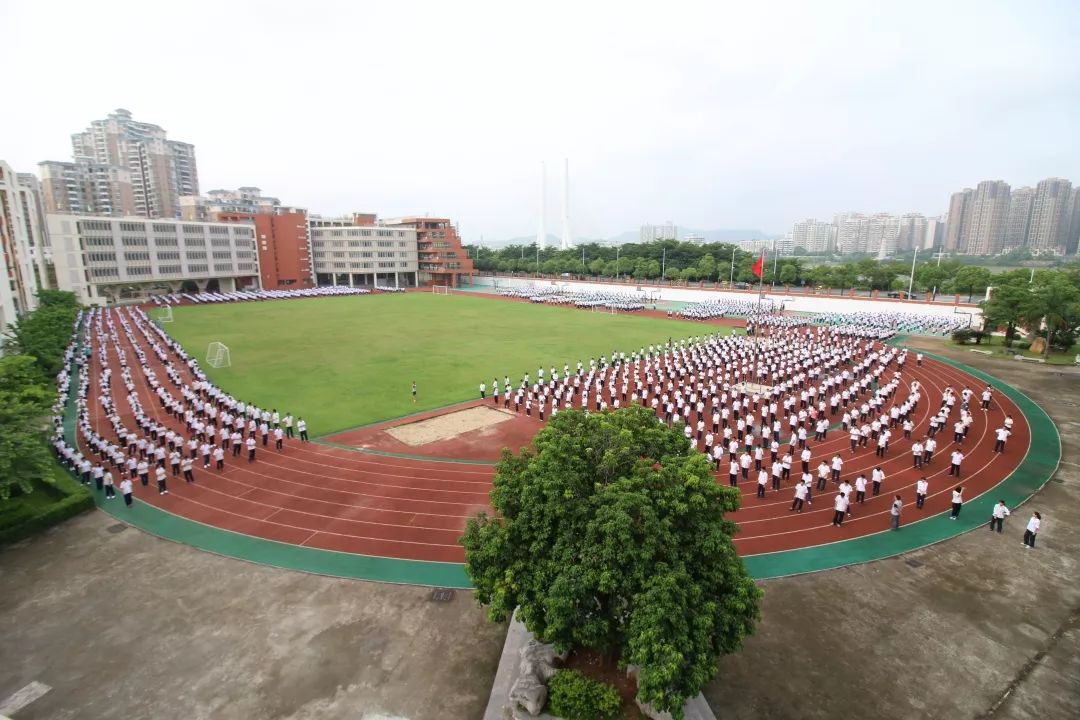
759,266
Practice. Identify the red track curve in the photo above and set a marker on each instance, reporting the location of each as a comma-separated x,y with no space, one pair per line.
330,498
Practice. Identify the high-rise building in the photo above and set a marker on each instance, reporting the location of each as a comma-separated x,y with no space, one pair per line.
103,259
912,232
122,168
1051,212
984,228
935,234
653,233
852,233
1073,242
960,205
812,235
25,255
1018,221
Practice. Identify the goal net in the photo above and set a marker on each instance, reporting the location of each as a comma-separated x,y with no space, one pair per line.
163,314
217,355
440,289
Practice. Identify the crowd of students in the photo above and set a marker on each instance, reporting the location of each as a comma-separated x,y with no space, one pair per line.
586,299
753,405
727,308
195,422
887,324
252,295
758,407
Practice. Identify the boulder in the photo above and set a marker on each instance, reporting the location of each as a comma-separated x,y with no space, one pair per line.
1038,345
530,693
538,659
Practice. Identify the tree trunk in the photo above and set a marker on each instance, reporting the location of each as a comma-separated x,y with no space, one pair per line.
1049,330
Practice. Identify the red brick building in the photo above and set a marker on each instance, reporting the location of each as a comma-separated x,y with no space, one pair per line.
442,259
282,244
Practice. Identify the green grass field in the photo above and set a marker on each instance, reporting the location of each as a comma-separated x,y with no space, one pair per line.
349,361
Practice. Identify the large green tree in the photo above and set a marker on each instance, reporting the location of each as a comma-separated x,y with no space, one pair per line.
1008,305
972,278
611,535
24,406
1055,303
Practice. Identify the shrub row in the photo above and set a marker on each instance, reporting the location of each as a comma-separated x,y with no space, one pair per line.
23,520
576,697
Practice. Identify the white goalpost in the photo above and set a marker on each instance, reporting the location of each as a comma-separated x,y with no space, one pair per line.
217,355
164,314
440,289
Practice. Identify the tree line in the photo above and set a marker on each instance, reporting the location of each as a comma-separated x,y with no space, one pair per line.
33,354
1046,303
723,263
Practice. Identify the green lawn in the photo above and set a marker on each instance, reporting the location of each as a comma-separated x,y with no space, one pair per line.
996,345
348,361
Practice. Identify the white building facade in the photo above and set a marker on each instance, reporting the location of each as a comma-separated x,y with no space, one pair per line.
343,253
24,246
107,259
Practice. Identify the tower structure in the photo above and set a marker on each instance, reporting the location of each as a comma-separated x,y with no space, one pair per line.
567,241
541,232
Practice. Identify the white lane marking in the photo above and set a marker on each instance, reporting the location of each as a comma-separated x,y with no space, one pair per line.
21,698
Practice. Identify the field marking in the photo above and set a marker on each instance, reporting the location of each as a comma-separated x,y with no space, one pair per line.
23,697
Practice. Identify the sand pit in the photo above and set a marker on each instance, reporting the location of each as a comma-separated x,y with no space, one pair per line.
448,426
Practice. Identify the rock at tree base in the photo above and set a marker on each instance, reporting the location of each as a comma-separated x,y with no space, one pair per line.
538,659
1038,345
530,693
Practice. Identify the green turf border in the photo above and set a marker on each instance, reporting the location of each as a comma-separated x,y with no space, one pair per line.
1038,465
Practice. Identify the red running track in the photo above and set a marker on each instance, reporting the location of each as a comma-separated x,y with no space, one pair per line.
336,499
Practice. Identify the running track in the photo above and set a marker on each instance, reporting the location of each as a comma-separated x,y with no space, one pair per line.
328,498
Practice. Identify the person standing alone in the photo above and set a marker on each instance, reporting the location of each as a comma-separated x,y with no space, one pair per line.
1032,530
894,518
998,515
957,502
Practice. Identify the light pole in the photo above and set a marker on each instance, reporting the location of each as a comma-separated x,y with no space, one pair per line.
911,280
663,265
617,249
775,258
731,281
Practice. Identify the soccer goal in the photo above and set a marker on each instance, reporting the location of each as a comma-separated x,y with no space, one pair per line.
217,355
440,289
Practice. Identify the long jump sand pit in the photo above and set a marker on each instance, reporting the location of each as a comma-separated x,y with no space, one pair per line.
445,427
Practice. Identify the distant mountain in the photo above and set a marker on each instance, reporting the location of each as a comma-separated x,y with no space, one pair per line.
633,236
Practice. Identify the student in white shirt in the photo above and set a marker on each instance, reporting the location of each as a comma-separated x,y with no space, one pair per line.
800,497
1032,530
998,515
1002,436
841,507
956,458
957,501
920,492
877,476
860,489
762,481
894,513
917,454
125,490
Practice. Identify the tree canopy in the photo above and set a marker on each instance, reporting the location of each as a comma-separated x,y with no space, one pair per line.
611,535
1047,301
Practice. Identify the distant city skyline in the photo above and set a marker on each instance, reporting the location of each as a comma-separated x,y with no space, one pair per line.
749,122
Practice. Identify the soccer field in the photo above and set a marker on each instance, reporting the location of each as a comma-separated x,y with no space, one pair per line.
348,361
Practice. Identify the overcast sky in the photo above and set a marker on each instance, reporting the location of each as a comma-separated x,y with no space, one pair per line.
711,115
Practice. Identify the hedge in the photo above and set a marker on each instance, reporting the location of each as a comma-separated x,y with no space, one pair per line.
576,697
19,521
